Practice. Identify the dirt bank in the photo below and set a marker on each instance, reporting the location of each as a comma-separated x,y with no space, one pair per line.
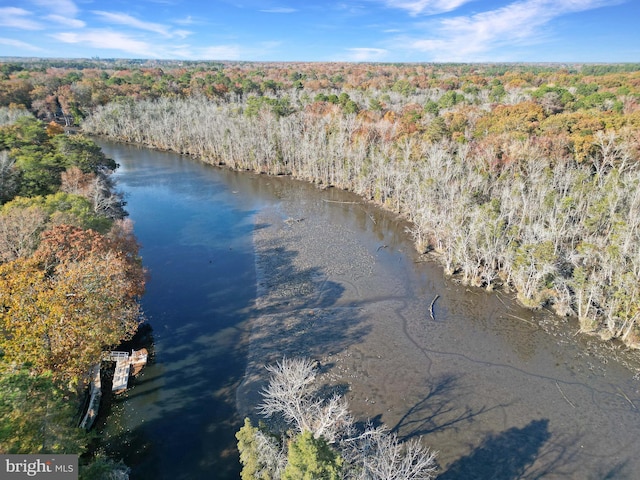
500,391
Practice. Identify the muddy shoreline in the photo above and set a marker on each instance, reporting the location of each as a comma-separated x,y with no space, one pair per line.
498,390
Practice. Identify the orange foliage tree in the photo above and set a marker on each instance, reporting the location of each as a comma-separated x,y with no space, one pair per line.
76,296
523,118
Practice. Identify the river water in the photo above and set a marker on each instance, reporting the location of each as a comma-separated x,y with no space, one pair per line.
245,268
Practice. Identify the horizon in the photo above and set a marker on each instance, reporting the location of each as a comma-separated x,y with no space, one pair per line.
351,31
25,59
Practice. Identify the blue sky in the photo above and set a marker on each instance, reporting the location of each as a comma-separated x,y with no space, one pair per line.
311,30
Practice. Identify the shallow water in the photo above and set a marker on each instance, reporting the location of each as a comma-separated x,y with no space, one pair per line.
246,268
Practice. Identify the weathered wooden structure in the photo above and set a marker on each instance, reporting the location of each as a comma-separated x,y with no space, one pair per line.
121,373
95,394
126,365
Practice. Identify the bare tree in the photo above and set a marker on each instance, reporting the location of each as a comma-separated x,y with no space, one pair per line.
506,212
292,392
370,454
9,115
383,457
20,230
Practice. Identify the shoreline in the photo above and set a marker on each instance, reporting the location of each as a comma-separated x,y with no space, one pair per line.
431,256
471,382
326,290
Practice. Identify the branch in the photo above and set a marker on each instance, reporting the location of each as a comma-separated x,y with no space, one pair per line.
431,306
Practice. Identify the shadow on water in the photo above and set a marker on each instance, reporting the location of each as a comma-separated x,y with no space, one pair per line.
296,315
213,338
527,453
182,418
505,456
618,472
178,420
188,401
439,410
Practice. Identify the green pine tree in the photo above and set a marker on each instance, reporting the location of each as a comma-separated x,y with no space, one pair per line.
312,459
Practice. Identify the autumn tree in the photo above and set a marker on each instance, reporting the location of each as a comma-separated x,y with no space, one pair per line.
508,172
20,230
62,208
36,415
61,307
70,282
522,118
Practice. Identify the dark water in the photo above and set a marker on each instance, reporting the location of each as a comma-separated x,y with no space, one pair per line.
195,225
501,392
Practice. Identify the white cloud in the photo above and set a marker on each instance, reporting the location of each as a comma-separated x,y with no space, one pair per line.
66,8
279,10
18,18
66,21
182,33
18,44
129,21
352,9
469,38
428,7
109,40
188,20
365,54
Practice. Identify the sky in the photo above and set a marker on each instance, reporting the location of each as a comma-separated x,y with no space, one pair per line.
321,31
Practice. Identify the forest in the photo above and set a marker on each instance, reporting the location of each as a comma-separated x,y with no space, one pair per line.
70,281
519,177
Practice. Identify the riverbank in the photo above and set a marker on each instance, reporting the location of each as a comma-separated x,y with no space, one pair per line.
509,212
494,387
486,383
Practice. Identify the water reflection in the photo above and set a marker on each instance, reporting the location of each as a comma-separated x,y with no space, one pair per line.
501,392
179,419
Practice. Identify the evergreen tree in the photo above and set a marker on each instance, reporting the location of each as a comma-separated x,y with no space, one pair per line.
312,459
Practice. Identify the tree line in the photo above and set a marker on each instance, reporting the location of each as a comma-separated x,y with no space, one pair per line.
519,177
514,208
70,283
69,90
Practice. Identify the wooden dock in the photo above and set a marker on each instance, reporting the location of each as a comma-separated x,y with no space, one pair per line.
126,365
121,373
138,360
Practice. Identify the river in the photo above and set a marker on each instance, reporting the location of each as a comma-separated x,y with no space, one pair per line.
245,268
